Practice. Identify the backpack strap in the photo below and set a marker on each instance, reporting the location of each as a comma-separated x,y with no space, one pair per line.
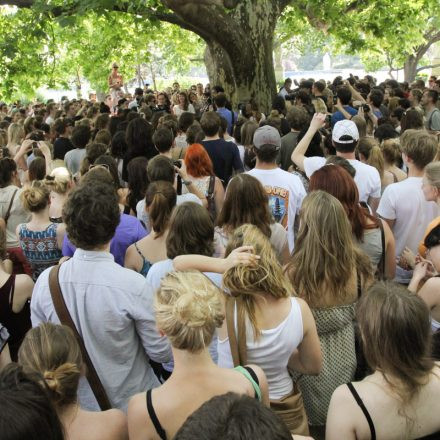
8,212
64,316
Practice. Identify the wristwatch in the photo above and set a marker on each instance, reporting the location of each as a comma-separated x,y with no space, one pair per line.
186,182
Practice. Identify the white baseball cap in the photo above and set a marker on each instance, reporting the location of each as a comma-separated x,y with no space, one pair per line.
347,129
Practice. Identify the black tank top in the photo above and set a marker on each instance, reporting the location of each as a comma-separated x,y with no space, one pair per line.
17,323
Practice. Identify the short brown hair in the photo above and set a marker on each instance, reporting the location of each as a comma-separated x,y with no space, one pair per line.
91,214
210,123
191,231
420,146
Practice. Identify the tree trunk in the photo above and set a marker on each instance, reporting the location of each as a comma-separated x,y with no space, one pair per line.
410,69
239,54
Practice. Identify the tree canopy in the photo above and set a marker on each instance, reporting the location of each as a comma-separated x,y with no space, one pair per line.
60,42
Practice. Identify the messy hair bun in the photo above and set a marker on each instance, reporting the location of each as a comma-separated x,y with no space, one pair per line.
52,352
188,310
59,181
35,197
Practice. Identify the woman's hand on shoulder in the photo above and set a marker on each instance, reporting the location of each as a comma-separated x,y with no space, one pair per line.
243,255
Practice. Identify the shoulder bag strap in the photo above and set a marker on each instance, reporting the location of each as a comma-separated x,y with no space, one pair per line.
211,186
230,310
382,261
66,319
241,330
359,284
8,212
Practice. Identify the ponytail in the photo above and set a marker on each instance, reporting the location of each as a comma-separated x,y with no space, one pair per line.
160,200
369,148
376,160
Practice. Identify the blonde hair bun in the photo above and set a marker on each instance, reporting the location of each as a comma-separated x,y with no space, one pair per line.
35,197
54,379
189,309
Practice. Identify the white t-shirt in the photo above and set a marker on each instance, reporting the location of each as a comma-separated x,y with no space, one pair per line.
286,193
404,202
142,215
178,111
367,178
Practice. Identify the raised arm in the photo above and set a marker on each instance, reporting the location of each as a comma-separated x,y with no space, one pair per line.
299,152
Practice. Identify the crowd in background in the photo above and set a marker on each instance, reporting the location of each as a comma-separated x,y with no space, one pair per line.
178,265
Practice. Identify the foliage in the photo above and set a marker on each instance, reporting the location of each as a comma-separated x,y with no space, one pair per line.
41,50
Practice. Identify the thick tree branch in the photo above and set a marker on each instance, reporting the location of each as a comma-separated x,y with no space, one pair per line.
18,3
431,66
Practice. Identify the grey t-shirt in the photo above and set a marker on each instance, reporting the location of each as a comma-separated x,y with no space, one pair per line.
433,120
288,144
73,159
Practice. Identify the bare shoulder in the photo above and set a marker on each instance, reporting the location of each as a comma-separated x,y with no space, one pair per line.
432,283
116,425
139,423
24,283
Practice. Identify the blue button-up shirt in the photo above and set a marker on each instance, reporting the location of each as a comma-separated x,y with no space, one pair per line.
112,308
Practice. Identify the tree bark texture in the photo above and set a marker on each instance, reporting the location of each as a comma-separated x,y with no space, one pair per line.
239,54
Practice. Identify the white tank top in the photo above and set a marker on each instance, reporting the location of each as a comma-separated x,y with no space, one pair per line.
272,350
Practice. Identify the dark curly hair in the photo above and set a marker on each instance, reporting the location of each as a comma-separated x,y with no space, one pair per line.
91,213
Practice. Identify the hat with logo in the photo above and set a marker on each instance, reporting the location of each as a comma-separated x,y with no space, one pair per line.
267,135
345,132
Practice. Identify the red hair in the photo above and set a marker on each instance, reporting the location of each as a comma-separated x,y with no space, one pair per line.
337,181
197,161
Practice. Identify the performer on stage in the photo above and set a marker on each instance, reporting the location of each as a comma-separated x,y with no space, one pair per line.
115,82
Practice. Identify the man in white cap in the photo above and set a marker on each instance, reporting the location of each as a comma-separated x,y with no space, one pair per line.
345,137
115,83
285,190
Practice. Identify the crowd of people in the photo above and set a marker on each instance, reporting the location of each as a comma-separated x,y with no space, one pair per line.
177,266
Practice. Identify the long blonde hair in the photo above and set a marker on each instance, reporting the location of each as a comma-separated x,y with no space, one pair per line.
325,256
15,134
267,277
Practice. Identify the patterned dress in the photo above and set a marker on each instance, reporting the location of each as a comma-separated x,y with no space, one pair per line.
40,248
336,333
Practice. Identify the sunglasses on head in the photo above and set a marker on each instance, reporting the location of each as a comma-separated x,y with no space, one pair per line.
101,165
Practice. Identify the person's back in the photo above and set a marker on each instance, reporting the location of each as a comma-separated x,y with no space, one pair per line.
188,310
80,138
52,352
400,399
403,204
285,190
224,155
111,306
330,278
140,256
40,239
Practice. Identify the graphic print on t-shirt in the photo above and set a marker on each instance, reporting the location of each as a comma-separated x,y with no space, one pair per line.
278,203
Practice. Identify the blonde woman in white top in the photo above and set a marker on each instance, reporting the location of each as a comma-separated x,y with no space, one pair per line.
280,329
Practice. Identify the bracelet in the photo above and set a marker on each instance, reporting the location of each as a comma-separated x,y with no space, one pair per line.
186,182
